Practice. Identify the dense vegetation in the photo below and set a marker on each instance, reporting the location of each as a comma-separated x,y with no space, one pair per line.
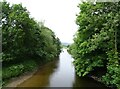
97,41
26,43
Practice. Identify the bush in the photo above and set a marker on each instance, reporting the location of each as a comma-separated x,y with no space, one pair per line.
16,70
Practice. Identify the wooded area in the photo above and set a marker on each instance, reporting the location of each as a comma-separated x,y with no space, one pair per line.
97,41
26,43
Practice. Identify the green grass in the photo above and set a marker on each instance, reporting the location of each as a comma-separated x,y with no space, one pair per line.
17,69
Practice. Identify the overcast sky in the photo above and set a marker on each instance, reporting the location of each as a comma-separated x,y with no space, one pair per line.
59,15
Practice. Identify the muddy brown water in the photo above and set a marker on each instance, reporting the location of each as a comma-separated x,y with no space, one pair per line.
60,73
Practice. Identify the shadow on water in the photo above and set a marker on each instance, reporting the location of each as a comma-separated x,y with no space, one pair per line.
41,77
87,83
60,73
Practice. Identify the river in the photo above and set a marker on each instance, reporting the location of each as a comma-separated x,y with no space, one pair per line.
60,73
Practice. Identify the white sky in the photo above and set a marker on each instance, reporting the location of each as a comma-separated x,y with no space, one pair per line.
59,15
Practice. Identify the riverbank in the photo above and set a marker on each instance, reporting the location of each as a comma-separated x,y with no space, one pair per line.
56,73
98,79
97,74
18,80
14,70
15,81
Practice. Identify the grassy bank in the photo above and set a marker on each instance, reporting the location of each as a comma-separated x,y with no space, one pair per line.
17,69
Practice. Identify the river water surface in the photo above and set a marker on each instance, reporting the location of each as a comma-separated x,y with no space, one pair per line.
59,73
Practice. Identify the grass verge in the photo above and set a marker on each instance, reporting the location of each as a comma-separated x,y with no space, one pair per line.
16,70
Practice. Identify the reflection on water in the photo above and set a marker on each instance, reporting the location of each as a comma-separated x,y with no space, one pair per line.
64,75
59,73
41,77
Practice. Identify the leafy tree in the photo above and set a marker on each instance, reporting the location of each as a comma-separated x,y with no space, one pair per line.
17,29
25,41
22,35
96,44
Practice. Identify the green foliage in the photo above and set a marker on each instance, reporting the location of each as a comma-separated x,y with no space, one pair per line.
24,39
23,36
17,69
12,71
97,41
29,65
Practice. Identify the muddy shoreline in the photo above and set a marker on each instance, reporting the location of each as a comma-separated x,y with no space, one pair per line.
13,82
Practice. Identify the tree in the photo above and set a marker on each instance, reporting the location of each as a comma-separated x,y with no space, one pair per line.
25,42
96,43
24,37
